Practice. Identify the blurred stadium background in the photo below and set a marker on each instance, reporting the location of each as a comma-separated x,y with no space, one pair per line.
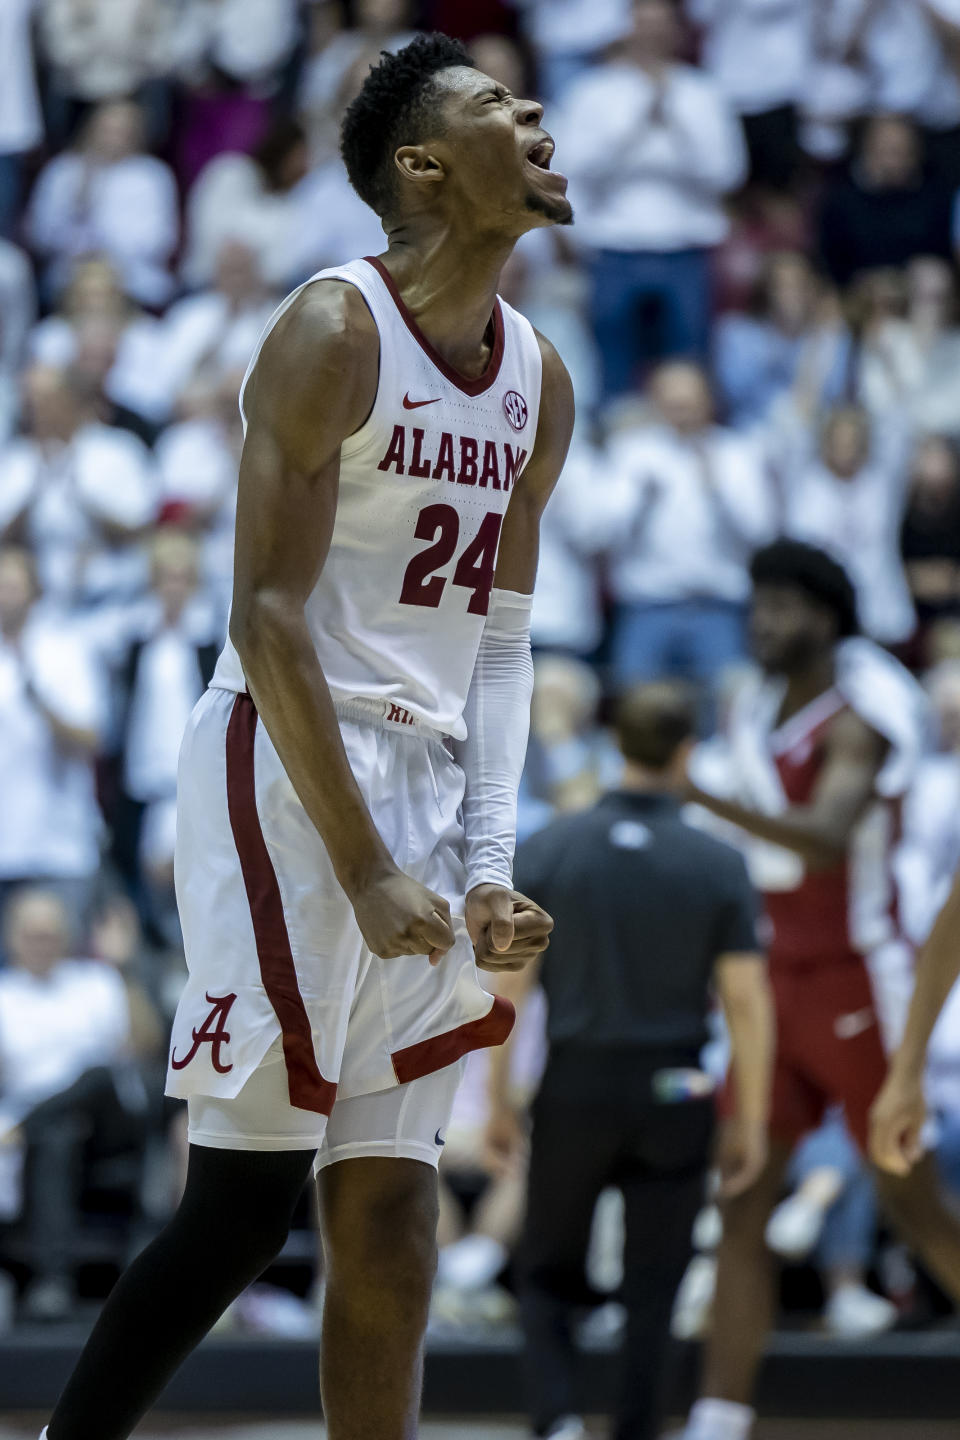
759,308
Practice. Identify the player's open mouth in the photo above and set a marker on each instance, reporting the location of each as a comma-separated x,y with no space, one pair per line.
540,155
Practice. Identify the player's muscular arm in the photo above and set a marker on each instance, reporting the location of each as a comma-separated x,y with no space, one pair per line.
497,712
314,385
900,1110
520,537
820,832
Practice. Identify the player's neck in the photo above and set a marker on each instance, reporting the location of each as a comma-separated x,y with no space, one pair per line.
448,281
808,684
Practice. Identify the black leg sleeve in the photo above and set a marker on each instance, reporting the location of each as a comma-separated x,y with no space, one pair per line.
232,1221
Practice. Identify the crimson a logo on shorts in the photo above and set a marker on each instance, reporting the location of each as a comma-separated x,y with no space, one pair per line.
212,1032
515,409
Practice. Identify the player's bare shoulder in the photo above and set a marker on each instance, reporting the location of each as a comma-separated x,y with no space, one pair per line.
315,380
852,741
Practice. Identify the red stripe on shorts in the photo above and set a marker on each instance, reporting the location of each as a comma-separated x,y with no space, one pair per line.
307,1087
429,1055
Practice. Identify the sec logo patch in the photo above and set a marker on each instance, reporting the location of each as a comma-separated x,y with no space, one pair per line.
515,409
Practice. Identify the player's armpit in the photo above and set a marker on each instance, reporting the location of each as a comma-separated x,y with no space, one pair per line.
520,536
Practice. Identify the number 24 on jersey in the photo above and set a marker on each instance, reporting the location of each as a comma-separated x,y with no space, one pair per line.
440,524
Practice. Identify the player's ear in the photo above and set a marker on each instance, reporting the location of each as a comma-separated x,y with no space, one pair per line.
417,163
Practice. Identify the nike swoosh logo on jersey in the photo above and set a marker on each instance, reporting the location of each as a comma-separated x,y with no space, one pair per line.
409,404
847,1027
439,1139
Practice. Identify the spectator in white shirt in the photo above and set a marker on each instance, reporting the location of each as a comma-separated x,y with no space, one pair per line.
651,148
911,361
51,721
105,51
18,305
70,1032
198,460
169,648
567,612
334,223
850,499
21,122
780,346
568,35
248,40
875,56
78,491
215,332
338,58
759,53
906,46
571,759
253,198
693,501
106,196
94,303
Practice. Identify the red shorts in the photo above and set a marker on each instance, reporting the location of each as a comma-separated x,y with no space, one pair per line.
829,1049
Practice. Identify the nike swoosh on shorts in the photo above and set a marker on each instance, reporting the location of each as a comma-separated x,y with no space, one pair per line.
847,1027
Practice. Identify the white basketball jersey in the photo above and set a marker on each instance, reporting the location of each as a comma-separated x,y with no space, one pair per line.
398,611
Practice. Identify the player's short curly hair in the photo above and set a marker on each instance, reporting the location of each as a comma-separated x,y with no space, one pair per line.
791,562
393,108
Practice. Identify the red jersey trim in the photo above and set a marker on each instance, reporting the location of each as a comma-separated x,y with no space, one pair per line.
429,1055
307,1088
469,387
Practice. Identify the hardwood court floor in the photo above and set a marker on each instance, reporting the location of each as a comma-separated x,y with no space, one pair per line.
474,1429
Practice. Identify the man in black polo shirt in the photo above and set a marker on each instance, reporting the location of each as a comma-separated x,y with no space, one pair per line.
649,915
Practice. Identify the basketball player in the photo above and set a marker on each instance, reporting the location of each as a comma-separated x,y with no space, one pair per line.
404,431
823,749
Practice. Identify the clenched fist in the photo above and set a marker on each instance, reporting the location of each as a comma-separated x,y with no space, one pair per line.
507,929
897,1118
399,916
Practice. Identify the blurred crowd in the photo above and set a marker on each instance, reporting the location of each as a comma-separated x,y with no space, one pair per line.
759,307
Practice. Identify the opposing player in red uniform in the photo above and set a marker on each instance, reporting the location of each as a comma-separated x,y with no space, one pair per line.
348,784
822,749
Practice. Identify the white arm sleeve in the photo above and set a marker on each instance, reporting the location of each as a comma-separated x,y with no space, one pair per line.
497,716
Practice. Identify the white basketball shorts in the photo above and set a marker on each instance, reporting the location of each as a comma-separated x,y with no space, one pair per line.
276,961
408,1121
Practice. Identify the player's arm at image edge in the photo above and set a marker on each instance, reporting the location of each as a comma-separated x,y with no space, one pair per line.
938,970
899,1112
